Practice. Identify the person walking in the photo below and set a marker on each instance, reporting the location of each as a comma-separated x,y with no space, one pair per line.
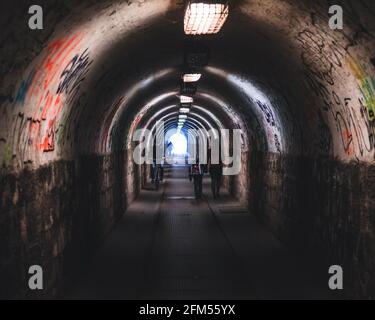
196,173
216,173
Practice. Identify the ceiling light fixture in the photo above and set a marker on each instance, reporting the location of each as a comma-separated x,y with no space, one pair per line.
182,116
184,110
186,99
191,77
205,18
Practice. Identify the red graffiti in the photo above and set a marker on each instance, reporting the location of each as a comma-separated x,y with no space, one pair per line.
347,138
48,104
48,143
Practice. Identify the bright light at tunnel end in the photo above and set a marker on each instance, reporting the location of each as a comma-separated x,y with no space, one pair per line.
179,144
225,146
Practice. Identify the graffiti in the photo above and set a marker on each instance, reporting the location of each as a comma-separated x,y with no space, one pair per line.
347,123
68,121
277,143
324,140
74,74
324,57
48,143
24,87
63,68
21,124
57,53
322,52
370,125
345,134
366,87
47,104
268,113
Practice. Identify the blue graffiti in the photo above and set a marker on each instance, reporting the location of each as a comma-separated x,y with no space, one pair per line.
24,88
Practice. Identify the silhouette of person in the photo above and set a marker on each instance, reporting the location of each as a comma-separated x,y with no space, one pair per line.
196,172
216,173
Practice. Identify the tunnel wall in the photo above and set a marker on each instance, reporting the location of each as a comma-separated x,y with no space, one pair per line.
277,185
239,184
56,215
324,209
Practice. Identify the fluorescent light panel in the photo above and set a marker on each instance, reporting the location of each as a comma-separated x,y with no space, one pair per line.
186,99
191,77
184,110
205,18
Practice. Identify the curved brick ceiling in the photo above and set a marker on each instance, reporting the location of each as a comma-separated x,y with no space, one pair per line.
294,85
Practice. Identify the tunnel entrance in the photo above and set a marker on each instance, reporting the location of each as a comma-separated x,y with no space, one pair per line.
179,144
177,151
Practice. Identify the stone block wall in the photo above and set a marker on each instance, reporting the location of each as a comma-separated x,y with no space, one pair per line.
56,216
324,209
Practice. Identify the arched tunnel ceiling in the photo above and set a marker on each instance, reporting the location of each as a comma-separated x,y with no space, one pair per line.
294,85
210,115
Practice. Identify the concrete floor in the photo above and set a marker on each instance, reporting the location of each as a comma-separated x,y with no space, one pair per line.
170,246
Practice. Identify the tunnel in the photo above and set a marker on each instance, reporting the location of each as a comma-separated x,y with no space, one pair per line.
78,96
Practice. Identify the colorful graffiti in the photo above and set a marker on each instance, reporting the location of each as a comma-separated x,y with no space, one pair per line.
24,88
322,57
20,95
366,86
61,68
